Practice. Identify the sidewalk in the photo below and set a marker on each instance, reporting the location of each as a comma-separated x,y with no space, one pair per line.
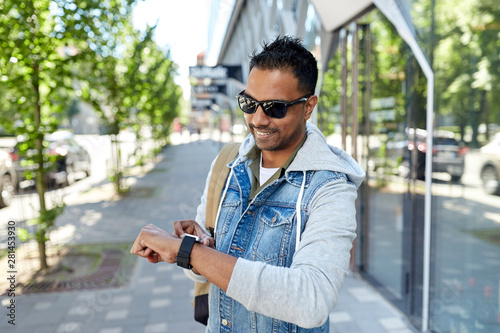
158,296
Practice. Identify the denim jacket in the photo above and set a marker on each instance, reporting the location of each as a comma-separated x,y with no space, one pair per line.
282,283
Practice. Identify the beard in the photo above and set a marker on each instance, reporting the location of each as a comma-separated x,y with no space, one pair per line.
278,141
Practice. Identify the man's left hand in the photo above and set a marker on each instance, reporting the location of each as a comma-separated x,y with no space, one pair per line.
156,245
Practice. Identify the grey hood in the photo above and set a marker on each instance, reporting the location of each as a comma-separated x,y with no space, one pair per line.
317,155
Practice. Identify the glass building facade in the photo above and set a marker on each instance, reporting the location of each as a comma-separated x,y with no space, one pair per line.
429,210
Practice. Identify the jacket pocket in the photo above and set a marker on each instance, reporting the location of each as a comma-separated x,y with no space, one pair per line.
275,232
228,210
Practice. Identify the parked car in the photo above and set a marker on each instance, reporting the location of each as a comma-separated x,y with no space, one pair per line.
8,179
490,167
71,159
448,154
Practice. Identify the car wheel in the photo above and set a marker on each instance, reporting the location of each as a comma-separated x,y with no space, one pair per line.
6,191
491,183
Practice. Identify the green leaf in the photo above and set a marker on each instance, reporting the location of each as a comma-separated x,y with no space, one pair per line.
23,235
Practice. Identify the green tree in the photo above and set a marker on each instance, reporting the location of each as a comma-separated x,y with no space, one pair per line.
40,43
154,96
467,62
132,87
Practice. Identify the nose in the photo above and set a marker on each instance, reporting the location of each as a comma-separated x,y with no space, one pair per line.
259,118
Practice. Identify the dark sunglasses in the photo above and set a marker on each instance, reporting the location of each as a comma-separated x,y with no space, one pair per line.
273,109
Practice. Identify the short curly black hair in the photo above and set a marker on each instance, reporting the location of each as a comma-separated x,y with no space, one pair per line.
288,53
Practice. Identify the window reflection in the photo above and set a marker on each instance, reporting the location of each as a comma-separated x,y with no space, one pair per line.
460,39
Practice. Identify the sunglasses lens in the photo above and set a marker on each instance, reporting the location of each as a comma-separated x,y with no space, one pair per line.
274,109
246,104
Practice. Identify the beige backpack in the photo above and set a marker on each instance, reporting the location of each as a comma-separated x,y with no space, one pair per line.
218,178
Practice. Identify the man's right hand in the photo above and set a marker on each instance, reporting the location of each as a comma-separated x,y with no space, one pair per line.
193,228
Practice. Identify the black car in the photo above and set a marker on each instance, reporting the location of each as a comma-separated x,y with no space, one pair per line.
8,179
71,160
448,155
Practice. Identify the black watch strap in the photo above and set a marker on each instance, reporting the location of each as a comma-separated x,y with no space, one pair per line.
184,254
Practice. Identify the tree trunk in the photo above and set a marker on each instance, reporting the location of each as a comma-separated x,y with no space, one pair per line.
484,114
40,179
116,157
43,255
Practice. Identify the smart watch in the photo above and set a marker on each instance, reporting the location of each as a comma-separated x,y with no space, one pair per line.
184,254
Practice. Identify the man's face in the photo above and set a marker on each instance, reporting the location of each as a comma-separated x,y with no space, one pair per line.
273,134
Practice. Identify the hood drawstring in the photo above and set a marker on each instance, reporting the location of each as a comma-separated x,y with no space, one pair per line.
297,210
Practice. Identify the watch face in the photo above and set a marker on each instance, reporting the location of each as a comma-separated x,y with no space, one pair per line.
196,238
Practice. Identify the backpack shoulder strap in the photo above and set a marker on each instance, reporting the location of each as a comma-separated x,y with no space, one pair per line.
218,178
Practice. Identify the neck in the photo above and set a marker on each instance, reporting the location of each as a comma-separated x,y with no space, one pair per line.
274,159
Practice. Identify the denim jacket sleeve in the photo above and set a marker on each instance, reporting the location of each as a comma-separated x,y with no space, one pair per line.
309,288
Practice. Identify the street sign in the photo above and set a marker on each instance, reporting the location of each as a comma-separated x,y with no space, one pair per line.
213,89
217,72
202,104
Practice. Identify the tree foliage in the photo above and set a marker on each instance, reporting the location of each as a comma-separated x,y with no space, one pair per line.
461,41
133,88
55,51
466,62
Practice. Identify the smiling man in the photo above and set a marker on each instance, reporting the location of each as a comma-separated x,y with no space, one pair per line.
287,216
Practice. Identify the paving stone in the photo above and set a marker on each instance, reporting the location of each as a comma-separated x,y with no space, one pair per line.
69,327
401,330
159,303
42,306
340,317
392,323
147,280
111,330
162,290
116,315
156,328
124,299
363,294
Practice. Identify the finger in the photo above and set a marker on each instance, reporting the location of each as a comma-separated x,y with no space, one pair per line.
136,247
154,258
184,226
148,252
208,241
178,229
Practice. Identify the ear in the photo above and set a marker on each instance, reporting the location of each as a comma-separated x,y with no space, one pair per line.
309,106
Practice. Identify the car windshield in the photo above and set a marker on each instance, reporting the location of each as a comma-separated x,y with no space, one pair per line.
445,141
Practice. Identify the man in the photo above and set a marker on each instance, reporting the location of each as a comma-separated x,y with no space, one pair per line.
287,217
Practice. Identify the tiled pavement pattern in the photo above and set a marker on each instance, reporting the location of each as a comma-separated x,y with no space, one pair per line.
158,296
361,309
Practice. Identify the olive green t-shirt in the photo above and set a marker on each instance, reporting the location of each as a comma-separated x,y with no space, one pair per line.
254,154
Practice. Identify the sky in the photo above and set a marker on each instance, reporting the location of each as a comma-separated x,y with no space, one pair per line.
182,27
